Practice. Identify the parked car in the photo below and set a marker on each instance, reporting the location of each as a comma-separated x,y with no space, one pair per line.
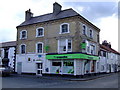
5,70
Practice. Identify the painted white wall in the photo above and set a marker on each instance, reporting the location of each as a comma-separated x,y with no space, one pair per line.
30,66
11,56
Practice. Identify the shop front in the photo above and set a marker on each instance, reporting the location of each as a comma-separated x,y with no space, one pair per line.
72,64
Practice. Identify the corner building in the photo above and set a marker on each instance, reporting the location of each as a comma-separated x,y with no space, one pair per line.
62,42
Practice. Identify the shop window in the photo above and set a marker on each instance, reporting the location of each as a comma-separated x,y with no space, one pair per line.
56,63
68,63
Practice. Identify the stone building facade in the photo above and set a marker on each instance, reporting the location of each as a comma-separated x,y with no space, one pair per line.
62,42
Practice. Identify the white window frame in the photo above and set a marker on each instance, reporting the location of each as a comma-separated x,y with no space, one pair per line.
37,46
21,50
85,29
37,32
92,33
21,34
66,41
61,28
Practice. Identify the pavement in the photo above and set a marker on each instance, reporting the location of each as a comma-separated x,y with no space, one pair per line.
92,77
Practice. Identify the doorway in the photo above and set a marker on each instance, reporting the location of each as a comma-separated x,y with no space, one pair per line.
39,69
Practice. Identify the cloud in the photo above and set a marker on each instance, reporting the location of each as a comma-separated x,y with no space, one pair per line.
94,10
102,14
109,30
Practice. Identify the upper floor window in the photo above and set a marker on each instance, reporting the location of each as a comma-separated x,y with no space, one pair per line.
93,49
39,47
91,33
64,45
40,32
23,49
64,28
23,34
84,30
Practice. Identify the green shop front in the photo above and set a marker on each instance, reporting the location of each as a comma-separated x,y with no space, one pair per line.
72,63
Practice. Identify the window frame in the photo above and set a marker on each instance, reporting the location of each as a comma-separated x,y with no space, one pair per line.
37,32
37,46
21,48
61,28
91,35
21,34
85,30
66,41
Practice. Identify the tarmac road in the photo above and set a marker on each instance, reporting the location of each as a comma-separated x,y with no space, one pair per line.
16,81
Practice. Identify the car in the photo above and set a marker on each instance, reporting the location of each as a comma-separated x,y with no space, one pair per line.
5,70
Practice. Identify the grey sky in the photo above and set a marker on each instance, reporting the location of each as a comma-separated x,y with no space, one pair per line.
102,14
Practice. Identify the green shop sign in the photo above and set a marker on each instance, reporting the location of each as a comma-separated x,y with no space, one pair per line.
72,56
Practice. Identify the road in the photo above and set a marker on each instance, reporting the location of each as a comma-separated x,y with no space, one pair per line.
34,82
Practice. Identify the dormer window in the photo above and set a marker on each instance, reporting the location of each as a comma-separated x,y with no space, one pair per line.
23,34
40,32
64,28
84,30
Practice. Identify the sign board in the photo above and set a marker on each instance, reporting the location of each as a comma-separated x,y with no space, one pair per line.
72,56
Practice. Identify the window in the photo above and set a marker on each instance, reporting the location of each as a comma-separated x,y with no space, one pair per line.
64,45
68,63
98,38
56,64
91,34
104,53
69,45
39,47
93,49
64,28
84,30
23,34
40,32
23,49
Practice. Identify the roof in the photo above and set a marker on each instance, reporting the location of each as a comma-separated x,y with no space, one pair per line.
109,49
51,16
8,44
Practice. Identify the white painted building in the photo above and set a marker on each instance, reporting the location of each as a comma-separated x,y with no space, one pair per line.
109,59
7,50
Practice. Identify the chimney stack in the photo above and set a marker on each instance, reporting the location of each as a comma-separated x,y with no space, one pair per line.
56,8
28,14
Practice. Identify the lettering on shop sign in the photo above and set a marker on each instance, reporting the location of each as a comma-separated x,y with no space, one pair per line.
60,57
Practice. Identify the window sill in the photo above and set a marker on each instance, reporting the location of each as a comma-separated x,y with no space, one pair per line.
39,36
64,32
23,38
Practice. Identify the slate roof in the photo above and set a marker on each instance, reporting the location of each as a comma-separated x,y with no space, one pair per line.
8,44
51,16
109,49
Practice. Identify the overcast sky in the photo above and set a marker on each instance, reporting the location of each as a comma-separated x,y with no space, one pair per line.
102,14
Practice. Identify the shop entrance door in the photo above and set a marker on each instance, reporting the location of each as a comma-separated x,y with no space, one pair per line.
39,69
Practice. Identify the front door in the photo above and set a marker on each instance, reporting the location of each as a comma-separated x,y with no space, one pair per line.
39,69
